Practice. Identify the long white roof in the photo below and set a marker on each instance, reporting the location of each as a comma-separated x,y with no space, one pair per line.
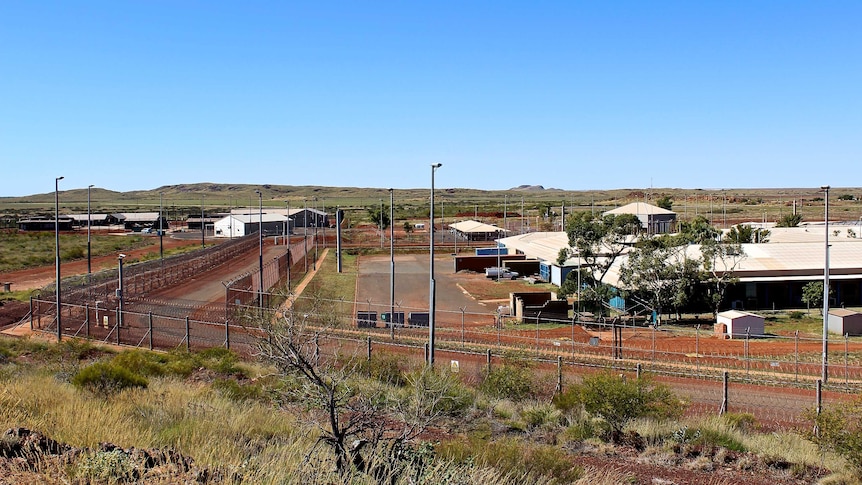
472,226
637,208
255,218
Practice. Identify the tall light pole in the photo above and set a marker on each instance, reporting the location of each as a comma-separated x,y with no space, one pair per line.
57,251
391,264
260,244
120,292
305,232
161,230
432,286
382,236
89,223
203,225
825,372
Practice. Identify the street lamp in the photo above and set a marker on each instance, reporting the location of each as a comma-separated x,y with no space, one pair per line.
89,260
432,287
203,225
825,372
391,264
57,250
260,243
161,230
120,295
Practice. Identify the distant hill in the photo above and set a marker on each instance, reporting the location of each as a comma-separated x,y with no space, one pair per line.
532,188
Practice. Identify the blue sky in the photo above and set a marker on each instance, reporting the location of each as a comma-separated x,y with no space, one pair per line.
575,95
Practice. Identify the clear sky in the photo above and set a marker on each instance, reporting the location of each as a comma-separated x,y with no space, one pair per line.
575,95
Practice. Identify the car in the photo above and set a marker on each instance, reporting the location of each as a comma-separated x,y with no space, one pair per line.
501,273
146,230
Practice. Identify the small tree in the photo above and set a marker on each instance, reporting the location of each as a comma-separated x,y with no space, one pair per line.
812,295
619,401
347,418
408,228
789,220
745,234
380,219
665,202
839,429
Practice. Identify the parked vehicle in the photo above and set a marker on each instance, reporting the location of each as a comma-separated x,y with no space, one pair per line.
501,273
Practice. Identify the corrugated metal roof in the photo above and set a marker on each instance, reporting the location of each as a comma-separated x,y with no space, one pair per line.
141,216
637,208
472,226
255,218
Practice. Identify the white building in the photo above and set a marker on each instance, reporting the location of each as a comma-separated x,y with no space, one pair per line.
238,225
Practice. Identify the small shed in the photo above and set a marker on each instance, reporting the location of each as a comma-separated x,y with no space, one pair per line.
737,324
845,322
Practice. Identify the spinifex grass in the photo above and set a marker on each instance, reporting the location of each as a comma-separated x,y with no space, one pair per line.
20,250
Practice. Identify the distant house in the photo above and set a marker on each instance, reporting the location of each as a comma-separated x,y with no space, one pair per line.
238,225
80,220
299,217
654,220
476,231
136,221
45,224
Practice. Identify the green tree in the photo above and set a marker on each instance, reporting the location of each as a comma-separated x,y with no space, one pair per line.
408,228
376,217
812,295
665,277
745,234
618,400
839,429
789,220
598,241
720,260
665,202
697,231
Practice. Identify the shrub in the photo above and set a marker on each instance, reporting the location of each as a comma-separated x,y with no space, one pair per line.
516,457
541,415
840,429
109,466
106,377
438,393
740,421
618,401
144,363
796,315
508,382
384,368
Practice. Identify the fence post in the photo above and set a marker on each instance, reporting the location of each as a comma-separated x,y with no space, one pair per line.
117,326
87,320
818,395
846,380
188,336
559,374
697,348
369,348
489,361
639,371
426,351
227,333
747,359
724,397
796,357
316,348
31,313
150,328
